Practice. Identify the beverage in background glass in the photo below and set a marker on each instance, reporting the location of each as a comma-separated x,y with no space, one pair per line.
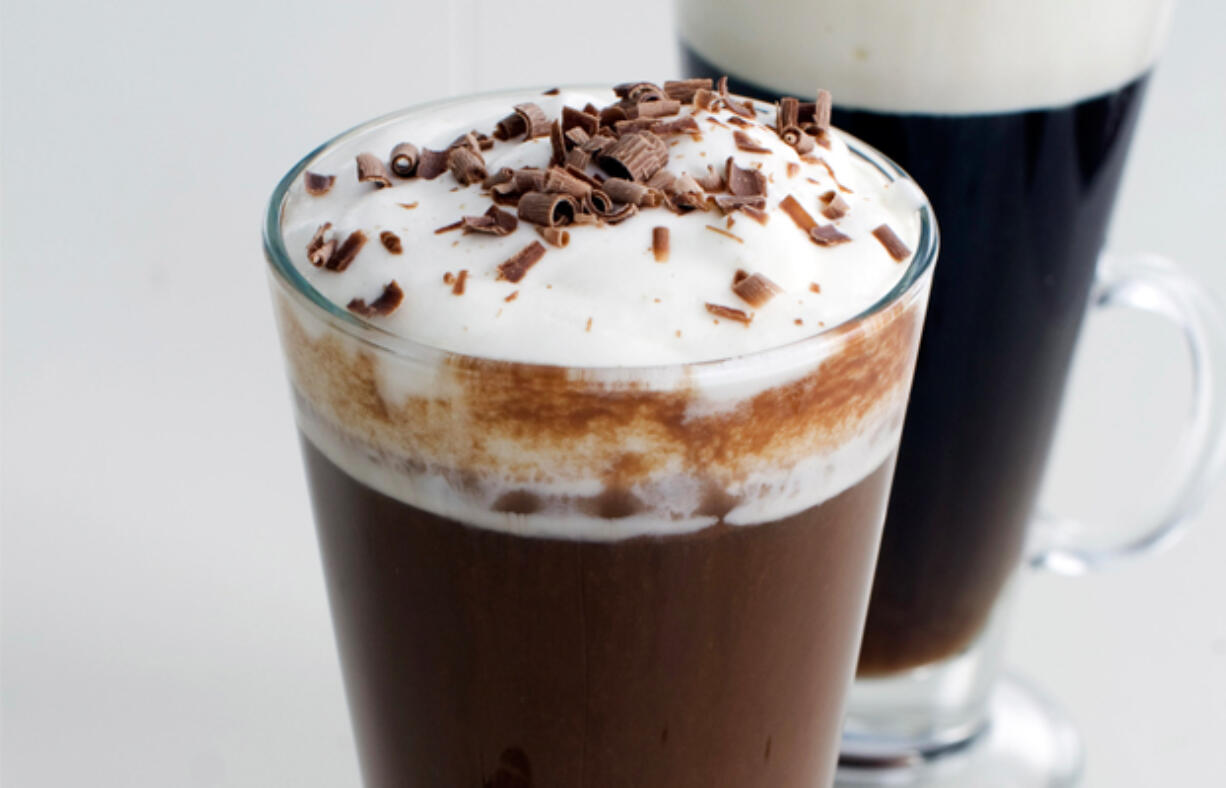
598,471
1015,118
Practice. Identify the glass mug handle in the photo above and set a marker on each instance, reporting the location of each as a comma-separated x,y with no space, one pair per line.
1152,284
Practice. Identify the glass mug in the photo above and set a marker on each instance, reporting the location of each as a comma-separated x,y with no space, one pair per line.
532,638
1017,129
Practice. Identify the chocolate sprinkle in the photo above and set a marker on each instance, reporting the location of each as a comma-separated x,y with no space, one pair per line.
390,241
725,233
385,304
347,251
748,144
833,205
316,184
892,243
635,156
466,165
518,264
548,210
404,159
494,221
659,244
457,287
433,163
554,236
371,169
827,235
755,289
729,313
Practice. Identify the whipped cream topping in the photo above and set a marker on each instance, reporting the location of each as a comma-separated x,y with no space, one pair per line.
604,300
932,56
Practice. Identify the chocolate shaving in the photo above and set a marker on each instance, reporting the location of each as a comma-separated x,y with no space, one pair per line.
371,169
404,159
684,89
833,205
729,203
740,276
494,221
744,109
755,290
408,206
316,184
725,233
554,236
511,126
433,163
744,182
622,190
787,114
748,144
390,241
446,228
892,243
466,140
574,119
385,304
686,125
346,252
578,159
529,179
685,194
576,137
594,182
551,92
815,287
705,99
659,244
598,144
712,181
597,201
503,175
623,127
797,213
457,287
729,313
557,144
466,165
822,109
611,114
318,250
559,181
793,169
740,123
759,215
514,295
828,235
635,156
548,210
662,181
514,268
655,109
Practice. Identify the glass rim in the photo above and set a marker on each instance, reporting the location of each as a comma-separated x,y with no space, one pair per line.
363,330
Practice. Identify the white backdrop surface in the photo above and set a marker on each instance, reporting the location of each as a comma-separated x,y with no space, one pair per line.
163,615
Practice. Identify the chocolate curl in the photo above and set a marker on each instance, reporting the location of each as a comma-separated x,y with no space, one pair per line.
833,205
743,109
788,126
655,109
385,304
433,163
548,210
503,175
892,243
729,203
635,157
348,250
559,181
575,137
574,119
611,114
821,110
557,144
510,127
638,92
514,268
624,191
318,250
755,289
683,90
371,169
494,221
687,195
554,236
743,182
466,165
317,185
599,143
534,119
578,159
404,159
529,179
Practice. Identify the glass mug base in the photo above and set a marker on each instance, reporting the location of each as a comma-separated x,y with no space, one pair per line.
1026,742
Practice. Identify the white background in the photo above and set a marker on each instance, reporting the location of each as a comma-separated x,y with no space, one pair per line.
164,622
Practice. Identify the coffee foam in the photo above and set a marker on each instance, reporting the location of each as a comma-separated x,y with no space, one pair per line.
932,56
599,450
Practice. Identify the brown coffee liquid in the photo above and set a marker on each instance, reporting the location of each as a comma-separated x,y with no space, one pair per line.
476,658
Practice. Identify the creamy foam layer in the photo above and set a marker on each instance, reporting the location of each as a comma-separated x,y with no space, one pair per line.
932,56
603,300
605,448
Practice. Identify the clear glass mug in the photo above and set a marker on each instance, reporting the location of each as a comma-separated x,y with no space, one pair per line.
538,573
1018,131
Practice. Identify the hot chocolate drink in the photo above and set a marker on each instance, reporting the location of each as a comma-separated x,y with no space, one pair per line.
599,396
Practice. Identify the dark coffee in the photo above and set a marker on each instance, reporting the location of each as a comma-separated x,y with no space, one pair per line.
1023,199
480,658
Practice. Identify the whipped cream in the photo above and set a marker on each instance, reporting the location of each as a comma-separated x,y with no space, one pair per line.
603,300
932,56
